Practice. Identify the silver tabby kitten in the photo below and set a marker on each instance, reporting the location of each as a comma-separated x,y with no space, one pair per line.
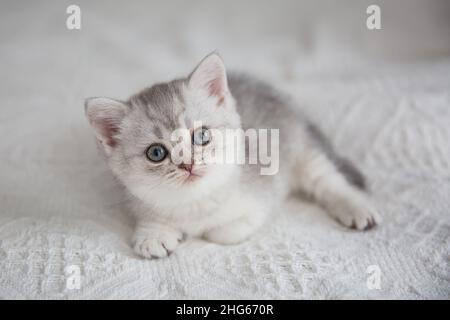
221,202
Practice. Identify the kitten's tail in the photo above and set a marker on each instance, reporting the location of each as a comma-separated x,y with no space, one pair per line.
351,173
345,166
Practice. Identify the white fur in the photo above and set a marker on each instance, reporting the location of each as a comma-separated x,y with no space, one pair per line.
229,202
318,178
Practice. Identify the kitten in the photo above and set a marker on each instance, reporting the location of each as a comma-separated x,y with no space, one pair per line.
220,202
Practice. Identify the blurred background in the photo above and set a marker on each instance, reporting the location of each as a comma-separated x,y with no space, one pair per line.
138,42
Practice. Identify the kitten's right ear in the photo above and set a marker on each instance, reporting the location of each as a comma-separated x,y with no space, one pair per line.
210,77
105,116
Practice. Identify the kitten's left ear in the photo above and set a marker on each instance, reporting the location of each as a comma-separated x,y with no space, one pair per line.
210,76
105,116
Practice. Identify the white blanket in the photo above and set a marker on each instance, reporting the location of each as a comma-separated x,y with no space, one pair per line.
60,212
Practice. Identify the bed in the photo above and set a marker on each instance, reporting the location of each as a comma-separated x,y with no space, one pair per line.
63,232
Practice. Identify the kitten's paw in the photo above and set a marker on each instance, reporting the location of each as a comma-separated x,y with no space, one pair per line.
232,233
154,243
224,236
359,215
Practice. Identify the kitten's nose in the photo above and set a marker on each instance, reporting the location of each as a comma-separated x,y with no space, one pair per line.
185,166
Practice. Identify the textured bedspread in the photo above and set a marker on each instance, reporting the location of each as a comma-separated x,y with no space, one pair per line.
61,213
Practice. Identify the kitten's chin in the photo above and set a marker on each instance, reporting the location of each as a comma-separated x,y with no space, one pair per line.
192,188
191,179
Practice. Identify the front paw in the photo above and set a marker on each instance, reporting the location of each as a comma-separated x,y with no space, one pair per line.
359,215
156,242
232,233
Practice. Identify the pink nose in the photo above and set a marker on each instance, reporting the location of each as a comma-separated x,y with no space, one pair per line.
187,167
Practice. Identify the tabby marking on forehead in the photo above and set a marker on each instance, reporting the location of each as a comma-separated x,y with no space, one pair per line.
163,103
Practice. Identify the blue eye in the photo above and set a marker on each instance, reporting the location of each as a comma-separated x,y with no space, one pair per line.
156,153
201,136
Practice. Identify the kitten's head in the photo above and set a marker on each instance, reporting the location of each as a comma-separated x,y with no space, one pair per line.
137,136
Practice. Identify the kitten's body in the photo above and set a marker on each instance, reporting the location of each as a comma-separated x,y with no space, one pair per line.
230,201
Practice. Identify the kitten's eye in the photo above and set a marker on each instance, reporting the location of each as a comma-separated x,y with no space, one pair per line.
201,136
156,153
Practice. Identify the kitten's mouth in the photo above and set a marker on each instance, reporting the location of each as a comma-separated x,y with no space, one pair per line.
192,177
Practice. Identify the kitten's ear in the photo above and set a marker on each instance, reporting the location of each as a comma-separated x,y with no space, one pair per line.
105,116
210,76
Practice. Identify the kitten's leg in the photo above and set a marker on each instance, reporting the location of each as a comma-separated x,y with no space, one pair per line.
241,228
320,179
154,240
